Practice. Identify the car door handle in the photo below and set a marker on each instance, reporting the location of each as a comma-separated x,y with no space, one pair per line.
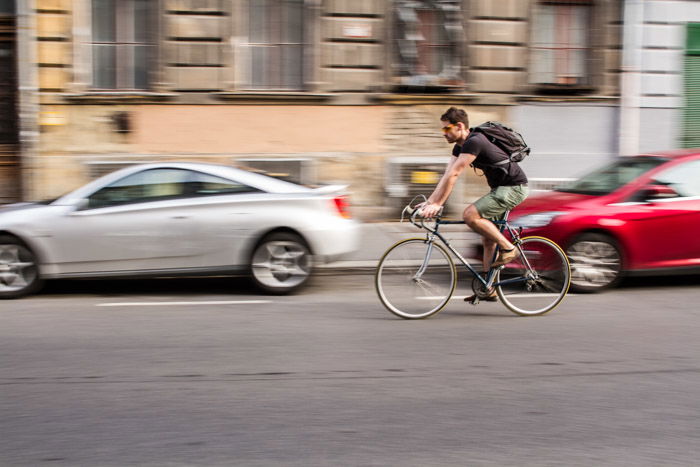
180,217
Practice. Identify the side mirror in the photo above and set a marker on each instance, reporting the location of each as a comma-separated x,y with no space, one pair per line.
657,192
81,204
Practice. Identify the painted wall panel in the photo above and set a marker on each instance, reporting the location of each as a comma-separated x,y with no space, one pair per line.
566,140
670,102
666,11
246,129
662,60
659,130
664,35
662,84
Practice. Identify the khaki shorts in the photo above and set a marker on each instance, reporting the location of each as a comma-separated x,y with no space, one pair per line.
500,200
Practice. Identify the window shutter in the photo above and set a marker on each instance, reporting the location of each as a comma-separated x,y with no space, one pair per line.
691,123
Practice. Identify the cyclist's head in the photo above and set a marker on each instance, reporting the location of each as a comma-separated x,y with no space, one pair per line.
455,125
455,115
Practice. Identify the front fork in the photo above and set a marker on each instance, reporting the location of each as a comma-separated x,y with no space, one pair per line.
417,276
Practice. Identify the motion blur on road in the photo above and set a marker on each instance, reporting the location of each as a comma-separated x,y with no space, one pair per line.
208,372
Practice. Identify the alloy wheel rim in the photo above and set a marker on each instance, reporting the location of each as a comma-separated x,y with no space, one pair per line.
16,273
281,264
594,263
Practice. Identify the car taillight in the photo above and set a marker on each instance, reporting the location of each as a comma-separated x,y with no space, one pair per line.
343,206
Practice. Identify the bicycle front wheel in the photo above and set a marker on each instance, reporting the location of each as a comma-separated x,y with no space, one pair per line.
415,279
537,281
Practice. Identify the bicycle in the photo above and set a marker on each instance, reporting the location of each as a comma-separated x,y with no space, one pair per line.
416,277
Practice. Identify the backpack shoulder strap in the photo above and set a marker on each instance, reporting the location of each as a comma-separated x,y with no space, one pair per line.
483,129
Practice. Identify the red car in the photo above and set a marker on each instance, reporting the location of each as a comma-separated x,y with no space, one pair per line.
636,215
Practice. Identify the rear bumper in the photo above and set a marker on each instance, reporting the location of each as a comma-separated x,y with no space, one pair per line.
336,241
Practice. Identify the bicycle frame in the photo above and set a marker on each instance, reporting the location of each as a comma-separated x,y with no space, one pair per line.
491,274
530,286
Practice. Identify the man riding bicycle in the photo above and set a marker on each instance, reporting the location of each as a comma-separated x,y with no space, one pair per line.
507,181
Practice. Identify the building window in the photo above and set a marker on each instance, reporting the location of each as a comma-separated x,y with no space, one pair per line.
561,44
428,34
276,44
7,7
123,37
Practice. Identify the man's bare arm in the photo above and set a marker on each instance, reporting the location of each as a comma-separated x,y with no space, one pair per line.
446,184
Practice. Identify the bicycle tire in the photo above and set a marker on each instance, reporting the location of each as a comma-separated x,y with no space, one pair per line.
541,278
396,284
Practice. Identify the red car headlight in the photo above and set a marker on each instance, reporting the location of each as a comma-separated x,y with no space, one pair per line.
539,219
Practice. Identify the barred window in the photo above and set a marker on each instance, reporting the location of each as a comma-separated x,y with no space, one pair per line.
561,43
123,35
427,38
276,44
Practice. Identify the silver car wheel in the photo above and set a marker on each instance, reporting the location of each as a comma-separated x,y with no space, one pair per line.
18,269
280,264
596,263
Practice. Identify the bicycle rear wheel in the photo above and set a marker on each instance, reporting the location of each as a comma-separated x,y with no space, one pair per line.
537,281
415,279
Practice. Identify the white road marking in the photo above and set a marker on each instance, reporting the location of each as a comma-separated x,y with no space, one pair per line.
220,302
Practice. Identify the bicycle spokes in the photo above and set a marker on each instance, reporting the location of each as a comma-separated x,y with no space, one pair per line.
414,281
537,281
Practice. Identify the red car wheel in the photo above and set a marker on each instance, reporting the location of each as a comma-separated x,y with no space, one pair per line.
596,262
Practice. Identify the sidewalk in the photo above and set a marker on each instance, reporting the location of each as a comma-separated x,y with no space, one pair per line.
377,237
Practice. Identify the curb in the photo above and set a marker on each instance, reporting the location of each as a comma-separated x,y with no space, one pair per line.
377,237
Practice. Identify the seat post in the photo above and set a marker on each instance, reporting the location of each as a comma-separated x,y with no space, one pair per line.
501,222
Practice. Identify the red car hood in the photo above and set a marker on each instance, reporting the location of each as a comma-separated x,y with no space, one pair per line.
553,201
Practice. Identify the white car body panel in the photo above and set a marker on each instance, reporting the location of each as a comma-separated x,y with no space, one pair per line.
199,234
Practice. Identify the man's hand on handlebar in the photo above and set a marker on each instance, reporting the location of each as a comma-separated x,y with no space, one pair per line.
429,210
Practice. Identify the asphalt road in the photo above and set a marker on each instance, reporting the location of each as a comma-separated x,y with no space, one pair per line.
206,372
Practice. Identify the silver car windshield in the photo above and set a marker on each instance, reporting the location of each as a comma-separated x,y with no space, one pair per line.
613,176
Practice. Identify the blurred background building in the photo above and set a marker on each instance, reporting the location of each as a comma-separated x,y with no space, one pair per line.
337,91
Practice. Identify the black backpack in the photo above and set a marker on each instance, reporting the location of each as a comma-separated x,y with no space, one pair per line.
507,139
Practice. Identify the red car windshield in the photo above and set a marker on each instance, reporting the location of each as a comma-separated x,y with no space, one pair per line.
613,176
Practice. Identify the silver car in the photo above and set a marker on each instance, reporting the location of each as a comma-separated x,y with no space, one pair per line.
176,218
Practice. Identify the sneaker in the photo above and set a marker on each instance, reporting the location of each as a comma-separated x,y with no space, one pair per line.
491,298
505,257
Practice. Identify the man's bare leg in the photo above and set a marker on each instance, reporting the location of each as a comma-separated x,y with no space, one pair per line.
489,249
490,232
485,228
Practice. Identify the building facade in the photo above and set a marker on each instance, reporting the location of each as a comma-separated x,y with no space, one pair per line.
661,86
317,91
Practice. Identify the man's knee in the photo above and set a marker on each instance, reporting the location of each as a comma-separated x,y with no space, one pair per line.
471,215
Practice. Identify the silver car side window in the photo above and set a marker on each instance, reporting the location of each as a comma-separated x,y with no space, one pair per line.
148,185
201,184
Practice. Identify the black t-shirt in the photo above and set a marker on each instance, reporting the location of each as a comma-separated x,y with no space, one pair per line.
488,153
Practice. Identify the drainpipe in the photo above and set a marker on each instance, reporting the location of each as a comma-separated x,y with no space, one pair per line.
631,79
28,95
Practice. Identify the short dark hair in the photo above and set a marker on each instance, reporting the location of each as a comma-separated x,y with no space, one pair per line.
455,115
